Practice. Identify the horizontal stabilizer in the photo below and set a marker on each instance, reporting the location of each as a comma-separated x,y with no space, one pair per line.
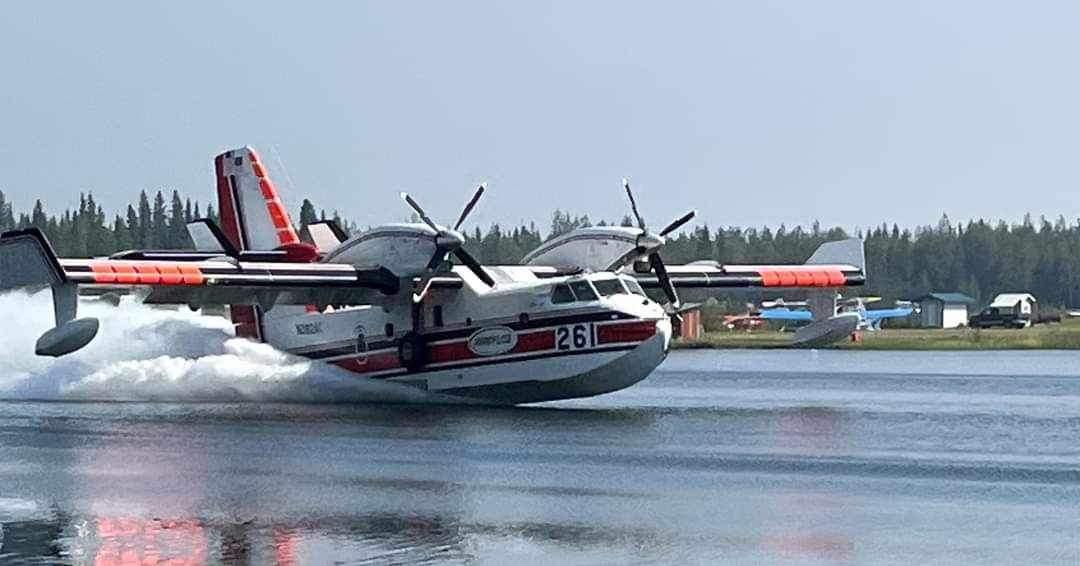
208,237
27,260
325,235
841,252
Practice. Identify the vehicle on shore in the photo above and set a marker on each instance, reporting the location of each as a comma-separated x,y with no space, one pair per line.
999,317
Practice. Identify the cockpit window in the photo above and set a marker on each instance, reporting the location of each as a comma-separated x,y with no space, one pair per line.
609,287
634,287
583,291
561,294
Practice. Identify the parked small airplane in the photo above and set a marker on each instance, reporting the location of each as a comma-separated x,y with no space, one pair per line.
869,319
750,320
572,321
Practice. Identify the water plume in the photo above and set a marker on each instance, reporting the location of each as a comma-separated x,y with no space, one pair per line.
144,353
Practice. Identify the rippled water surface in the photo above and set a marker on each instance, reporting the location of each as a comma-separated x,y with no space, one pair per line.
744,457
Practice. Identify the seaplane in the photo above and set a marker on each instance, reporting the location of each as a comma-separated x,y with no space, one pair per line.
572,320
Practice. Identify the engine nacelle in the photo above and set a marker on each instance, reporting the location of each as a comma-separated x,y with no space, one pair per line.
405,249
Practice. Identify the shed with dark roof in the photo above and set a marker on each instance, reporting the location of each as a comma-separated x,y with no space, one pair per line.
944,310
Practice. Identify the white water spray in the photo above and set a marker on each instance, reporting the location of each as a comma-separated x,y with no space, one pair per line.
149,354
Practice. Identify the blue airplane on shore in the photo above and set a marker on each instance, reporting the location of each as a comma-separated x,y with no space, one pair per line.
869,319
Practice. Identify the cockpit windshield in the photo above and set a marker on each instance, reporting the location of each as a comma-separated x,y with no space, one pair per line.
574,291
634,287
609,287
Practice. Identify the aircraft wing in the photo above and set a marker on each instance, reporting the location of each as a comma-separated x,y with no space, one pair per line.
834,264
880,314
787,314
191,278
716,276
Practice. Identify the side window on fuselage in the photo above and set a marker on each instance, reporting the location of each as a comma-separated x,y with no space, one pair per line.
561,294
583,291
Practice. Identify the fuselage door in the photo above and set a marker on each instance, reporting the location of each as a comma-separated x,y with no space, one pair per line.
361,345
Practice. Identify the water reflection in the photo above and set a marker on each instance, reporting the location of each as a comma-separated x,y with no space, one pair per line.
814,432
290,484
687,467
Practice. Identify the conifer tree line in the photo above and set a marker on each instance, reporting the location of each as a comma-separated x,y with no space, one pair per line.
979,258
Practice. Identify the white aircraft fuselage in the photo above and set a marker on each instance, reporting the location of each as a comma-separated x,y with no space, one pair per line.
528,339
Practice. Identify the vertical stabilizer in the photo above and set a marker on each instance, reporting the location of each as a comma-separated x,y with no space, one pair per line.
252,218
252,214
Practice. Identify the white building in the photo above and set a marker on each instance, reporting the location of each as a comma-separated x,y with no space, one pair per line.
944,310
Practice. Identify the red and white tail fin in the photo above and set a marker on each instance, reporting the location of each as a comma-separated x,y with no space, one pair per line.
252,218
252,215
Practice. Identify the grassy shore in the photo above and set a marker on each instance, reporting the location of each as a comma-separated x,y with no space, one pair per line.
1064,336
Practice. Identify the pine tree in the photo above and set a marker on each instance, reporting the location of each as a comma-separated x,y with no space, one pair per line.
159,224
144,239
132,234
37,217
7,217
120,234
177,236
307,214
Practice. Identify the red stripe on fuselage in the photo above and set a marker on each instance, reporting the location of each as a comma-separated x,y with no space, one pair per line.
635,331
370,363
528,342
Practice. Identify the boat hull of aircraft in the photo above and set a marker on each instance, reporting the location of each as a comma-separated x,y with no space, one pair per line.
577,353
553,377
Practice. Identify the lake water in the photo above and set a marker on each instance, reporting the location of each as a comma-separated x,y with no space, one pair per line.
793,457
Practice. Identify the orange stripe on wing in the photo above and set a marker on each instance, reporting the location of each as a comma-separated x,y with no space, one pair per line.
802,276
148,273
145,273
102,272
192,275
170,274
125,272
769,277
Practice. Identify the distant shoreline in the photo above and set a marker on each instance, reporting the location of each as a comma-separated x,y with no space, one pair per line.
1064,336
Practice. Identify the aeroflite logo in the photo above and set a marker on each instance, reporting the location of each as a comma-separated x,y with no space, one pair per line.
492,341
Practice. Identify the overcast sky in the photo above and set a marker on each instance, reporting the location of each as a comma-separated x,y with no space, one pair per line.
755,113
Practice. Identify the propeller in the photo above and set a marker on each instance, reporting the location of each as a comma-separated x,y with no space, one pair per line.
650,244
449,240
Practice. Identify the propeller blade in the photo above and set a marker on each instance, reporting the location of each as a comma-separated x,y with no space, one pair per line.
469,207
474,266
633,204
678,222
420,211
664,279
437,258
